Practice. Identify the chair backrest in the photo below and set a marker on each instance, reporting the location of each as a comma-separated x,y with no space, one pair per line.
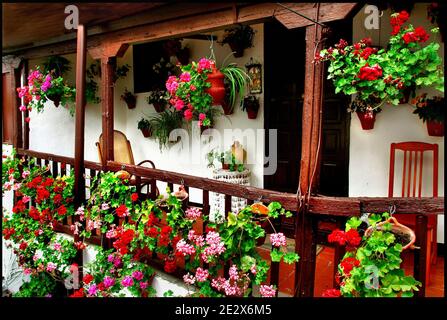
412,168
122,150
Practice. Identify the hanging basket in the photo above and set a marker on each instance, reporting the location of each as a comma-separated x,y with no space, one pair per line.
367,119
217,89
238,50
403,234
435,128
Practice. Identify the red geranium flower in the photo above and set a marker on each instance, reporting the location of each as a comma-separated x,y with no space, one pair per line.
166,230
122,211
370,73
353,238
23,245
57,198
152,232
170,265
134,196
61,210
337,236
348,264
87,278
331,293
78,294
19,207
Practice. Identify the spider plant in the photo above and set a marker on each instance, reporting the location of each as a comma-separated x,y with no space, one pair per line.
236,79
163,124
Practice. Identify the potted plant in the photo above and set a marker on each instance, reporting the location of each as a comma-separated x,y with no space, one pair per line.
382,76
129,98
251,105
431,111
158,99
365,113
183,55
239,38
145,126
163,124
371,266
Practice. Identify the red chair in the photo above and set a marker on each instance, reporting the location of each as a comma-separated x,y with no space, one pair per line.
412,187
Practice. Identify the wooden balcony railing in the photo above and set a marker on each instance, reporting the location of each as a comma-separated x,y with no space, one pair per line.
303,227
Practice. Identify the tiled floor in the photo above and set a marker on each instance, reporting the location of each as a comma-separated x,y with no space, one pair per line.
325,268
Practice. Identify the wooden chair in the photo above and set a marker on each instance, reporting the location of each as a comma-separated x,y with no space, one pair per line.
122,152
412,187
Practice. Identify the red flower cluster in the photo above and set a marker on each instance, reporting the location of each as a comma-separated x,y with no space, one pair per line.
418,35
123,240
23,245
348,264
122,211
370,73
152,219
19,207
164,236
397,20
61,210
151,232
87,278
42,194
78,294
134,197
170,265
7,233
350,238
331,293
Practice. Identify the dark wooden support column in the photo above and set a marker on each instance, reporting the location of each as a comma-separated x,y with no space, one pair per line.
79,186
306,226
420,255
108,65
11,67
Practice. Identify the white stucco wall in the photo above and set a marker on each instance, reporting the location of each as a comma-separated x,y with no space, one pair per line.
370,150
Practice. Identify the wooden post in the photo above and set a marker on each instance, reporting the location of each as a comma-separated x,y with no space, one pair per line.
11,66
107,71
420,255
79,185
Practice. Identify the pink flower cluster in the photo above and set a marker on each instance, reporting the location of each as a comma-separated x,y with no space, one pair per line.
51,266
46,84
278,239
193,213
235,285
215,246
204,64
200,276
185,248
172,84
108,281
267,291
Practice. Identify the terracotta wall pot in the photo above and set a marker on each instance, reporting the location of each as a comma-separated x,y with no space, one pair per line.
146,132
217,89
131,104
238,51
435,128
252,113
227,108
159,106
367,119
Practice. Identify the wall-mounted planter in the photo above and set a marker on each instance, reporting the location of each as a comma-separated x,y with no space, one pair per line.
56,99
159,106
251,105
147,132
367,119
131,104
238,50
435,128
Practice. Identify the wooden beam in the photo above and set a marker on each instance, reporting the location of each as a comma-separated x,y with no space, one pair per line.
328,12
11,67
79,185
108,65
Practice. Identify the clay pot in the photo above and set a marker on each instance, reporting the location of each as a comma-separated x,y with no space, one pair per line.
227,108
159,106
404,233
217,89
147,132
238,51
123,175
132,103
367,119
252,113
435,128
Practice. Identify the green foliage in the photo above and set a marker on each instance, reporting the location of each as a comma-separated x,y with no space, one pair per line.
40,285
430,109
237,80
144,124
378,273
163,123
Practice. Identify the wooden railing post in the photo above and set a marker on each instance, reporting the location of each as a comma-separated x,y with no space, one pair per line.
420,255
108,65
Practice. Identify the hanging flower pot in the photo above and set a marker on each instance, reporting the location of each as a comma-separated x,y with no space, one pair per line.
217,89
404,235
129,98
260,212
227,108
435,128
367,119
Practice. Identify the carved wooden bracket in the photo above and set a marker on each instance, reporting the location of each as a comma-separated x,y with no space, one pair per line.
9,63
108,50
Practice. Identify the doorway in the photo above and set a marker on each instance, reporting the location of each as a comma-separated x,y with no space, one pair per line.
284,64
